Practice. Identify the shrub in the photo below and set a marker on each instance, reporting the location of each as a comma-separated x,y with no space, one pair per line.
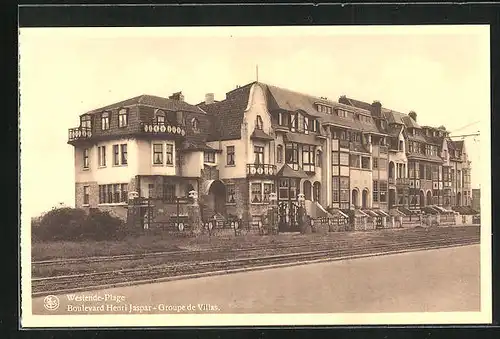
75,224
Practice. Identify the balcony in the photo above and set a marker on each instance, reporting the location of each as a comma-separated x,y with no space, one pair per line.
261,170
358,147
163,129
344,144
79,133
402,182
383,149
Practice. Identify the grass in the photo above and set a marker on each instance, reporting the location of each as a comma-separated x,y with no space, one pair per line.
164,242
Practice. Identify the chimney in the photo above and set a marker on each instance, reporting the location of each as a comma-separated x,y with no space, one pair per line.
209,98
377,108
177,96
413,115
343,100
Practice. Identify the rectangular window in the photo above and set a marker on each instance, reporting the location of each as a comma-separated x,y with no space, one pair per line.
365,162
230,194
428,172
354,161
123,118
335,158
116,155
209,157
124,193
383,191
375,190
158,154
258,152
86,122
335,189
85,195
292,153
344,159
151,189
421,168
306,125
101,150
169,192
116,193
375,163
123,148
102,194
268,189
293,189
109,194
86,158
105,121
169,154
230,155
307,155
256,193
283,189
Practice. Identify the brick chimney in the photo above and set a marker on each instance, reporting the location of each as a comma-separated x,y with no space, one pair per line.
177,96
376,108
209,98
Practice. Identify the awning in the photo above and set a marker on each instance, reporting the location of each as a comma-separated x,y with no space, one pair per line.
259,134
302,138
371,213
381,213
360,213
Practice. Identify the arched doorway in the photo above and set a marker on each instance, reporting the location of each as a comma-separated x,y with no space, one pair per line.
364,199
307,190
422,199
459,199
317,191
217,197
391,170
355,198
428,199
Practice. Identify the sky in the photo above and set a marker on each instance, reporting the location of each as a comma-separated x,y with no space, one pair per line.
440,72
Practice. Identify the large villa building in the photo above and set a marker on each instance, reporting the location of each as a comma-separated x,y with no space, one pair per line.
261,139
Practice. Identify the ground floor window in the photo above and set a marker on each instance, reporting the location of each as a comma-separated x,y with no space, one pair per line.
383,191
86,195
260,192
230,194
169,192
113,193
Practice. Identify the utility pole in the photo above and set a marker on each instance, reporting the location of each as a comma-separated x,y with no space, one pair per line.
257,72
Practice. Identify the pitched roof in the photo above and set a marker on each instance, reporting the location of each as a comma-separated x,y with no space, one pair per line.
228,114
195,145
359,104
287,172
394,117
151,100
285,99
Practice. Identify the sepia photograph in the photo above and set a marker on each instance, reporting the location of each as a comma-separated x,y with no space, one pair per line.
221,176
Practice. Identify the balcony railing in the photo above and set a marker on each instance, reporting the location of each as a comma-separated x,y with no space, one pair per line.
261,170
402,181
358,147
160,128
79,133
383,149
344,144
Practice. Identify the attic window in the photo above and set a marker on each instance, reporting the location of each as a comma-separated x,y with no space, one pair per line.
123,117
160,116
195,124
342,113
105,121
258,123
324,109
86,121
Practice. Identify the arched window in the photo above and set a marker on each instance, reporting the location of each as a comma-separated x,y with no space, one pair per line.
317,191
258,123
195,124
279,154
160,116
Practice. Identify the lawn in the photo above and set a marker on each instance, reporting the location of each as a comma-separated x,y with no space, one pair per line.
165,242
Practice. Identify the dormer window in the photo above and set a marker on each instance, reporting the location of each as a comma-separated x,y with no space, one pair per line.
105,121
123,117
306,125
195,124
160,116
293,122
258,123
324,109
341,113
86,121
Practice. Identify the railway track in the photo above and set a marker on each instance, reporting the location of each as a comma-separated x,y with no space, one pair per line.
251,259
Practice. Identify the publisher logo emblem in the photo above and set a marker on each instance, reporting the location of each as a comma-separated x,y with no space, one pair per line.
51,302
